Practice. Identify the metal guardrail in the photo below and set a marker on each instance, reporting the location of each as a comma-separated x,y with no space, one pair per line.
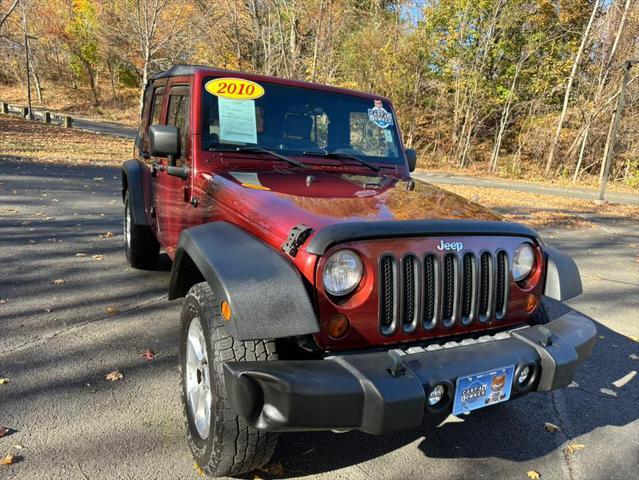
37,115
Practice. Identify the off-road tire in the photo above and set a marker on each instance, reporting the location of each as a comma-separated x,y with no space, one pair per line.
140,247
232,447
541,316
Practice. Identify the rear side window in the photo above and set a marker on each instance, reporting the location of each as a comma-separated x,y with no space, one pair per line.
178,115
156,111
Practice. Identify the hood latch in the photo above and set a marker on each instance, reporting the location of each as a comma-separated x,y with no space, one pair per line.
296,238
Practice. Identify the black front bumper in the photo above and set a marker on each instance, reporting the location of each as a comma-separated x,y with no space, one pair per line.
382,392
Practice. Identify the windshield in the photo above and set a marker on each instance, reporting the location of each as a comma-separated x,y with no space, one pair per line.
297,121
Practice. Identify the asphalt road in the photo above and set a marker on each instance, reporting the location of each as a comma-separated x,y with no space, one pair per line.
107,128
59,339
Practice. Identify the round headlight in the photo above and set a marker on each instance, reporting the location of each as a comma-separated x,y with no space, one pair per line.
523,261
343,272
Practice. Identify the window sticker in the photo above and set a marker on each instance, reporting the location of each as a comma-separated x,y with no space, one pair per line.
234,88
379,116
237,120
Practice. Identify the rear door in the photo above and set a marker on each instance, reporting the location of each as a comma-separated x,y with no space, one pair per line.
172,194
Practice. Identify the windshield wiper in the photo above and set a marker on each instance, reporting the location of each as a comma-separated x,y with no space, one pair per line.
255,148
344,156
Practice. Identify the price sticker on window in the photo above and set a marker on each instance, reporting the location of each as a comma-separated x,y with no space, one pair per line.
234,88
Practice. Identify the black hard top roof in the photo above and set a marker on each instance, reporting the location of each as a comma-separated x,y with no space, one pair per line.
180,70
185,70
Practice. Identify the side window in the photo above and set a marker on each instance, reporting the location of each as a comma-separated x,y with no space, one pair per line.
178,115
368,138
145,112
156,111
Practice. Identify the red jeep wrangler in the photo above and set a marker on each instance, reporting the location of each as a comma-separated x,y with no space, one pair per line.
325,289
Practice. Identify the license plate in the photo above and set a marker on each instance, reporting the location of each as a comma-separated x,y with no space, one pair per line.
483,389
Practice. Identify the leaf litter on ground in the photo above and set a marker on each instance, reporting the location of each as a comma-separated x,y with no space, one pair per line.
551,427
114,376
573,447
148,355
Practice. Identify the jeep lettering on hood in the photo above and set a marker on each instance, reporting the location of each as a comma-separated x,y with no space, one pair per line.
450,246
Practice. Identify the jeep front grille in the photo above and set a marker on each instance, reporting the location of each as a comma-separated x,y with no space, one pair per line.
442,290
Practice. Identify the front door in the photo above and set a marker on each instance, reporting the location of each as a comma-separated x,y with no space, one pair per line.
172,194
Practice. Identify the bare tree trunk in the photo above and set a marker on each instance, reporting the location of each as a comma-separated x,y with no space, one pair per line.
36,78
113,69
27,57
4,17
571,79
503,122
318,33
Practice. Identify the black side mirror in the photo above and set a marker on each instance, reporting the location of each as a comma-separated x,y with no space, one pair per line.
164,141
411,158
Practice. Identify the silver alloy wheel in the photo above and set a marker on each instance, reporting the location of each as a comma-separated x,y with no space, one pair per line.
127,226
197,379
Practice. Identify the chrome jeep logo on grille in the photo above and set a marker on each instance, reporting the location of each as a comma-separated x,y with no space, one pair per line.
450,246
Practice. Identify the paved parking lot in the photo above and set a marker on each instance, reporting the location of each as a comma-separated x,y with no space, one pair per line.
71,311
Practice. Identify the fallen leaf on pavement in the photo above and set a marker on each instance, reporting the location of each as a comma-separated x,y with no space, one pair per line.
111,310
274,469
607,391
573,447
59,281
7,459
533,475
620,383
551,427
601,337
4,431
3,381
148,355
98,257
198,469
114,376
107,235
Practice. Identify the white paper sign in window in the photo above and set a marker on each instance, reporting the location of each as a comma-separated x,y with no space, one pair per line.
237,120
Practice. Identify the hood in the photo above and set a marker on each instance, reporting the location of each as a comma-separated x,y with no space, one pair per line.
277,200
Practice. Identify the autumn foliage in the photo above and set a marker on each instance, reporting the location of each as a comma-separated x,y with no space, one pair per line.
478,84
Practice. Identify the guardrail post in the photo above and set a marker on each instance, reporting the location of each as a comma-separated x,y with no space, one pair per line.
5,107
67,121
24,111
47,117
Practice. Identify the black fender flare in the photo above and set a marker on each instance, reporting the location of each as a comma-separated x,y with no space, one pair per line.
563,280
266,293
134,177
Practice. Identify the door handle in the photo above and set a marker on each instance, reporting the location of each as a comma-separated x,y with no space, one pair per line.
155,168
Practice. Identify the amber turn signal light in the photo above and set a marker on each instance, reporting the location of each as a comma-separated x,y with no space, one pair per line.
531,303
225,309
338,326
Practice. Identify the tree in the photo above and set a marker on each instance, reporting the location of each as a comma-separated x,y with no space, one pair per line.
571,79
141,30
5,15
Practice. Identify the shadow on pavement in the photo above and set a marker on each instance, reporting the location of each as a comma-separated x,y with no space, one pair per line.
513,431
